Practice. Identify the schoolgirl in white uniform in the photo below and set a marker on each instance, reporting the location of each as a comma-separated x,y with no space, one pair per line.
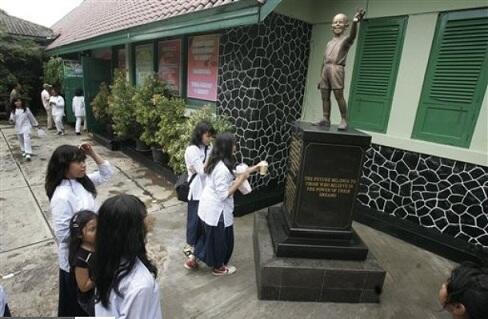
196,154
24,120
4,310
216,206
56,102
79,111
126,285
71,190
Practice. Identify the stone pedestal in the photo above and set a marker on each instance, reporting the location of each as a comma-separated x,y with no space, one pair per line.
324,168
306,249
306,279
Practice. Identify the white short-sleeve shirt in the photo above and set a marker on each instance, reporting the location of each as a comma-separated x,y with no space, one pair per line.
194,161
79,106
24,120
139,297
57,105
215,199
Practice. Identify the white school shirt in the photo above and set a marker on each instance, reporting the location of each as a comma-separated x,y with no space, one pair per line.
24,120
45,98
3,301
194,156
139,297
58,107
216,199
79,106
69,198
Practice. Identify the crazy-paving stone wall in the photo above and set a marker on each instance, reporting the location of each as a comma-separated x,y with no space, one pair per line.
446,195
261,78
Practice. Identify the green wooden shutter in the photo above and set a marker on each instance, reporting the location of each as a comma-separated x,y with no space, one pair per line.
375,71
456,79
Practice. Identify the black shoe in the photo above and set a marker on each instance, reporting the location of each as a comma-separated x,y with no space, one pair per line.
78,133
59,133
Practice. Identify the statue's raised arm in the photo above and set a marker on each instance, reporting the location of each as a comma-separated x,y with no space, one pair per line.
358,17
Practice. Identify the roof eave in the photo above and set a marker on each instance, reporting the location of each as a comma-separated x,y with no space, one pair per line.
245,12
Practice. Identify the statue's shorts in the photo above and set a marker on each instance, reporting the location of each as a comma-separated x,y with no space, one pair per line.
332,77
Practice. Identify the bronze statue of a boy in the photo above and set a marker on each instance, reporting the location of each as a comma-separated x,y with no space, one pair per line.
332,70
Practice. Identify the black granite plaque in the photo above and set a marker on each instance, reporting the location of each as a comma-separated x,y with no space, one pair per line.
324,168
328,186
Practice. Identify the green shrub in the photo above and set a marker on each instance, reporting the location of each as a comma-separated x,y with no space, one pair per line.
100,104
183,131
148,104
122,109
171,112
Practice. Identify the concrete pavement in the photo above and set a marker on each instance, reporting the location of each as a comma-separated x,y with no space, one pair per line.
28,250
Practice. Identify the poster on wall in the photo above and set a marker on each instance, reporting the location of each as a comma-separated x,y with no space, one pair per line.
144,62
121,63
203,64
169,58
72,69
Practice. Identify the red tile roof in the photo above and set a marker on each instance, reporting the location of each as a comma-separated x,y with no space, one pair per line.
21,27
96,17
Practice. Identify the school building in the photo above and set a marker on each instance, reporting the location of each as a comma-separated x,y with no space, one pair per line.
416,81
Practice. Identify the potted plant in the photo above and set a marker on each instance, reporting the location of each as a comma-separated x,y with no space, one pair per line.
147,112
100,108
171,112
183,131
121,107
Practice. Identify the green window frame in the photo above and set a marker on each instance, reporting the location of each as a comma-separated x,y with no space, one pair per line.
378,54
456,78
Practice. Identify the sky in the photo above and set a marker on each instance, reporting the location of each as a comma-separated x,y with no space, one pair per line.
43,12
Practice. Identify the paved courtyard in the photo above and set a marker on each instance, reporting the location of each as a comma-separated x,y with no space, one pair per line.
28,250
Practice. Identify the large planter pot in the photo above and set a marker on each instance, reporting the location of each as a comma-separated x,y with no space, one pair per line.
158,155
109,130
141,146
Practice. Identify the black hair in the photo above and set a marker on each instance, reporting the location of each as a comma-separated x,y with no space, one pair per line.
76,225
200,129
24,107
468,285
223,150
121,237
59,165
79,92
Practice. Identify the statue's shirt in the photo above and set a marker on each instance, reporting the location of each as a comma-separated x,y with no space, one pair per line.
336,50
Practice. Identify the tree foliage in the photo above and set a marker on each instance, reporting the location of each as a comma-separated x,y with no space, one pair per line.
20,62
54,72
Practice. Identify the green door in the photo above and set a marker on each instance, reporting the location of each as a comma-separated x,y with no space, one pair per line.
72,80
95,71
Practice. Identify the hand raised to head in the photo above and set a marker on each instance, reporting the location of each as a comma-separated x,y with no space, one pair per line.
87,149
